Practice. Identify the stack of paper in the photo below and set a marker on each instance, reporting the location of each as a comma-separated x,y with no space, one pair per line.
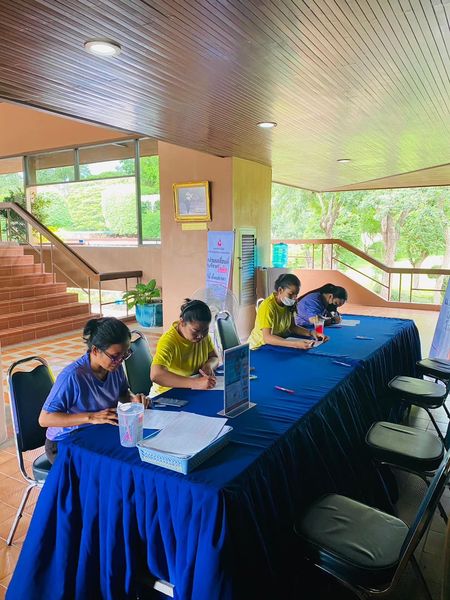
158,419
187,434
346,323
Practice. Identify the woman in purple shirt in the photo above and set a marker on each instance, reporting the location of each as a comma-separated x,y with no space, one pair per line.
86,392
321,302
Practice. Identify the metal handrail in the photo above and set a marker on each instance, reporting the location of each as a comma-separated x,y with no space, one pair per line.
389,271
363,255
55,242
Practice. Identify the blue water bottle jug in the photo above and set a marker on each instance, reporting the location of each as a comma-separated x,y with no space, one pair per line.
280,255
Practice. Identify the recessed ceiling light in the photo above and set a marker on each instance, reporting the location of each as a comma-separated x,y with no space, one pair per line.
267,124
102,48
344,161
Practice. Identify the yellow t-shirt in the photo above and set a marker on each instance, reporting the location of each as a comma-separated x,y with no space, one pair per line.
179,355
271,316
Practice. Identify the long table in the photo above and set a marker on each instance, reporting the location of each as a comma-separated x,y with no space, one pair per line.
224,531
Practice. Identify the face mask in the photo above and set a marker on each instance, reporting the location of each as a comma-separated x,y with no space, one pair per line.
288,301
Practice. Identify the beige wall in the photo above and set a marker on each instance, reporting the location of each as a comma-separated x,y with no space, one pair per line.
252,189
240,198
24,130
109,259
119,258
183,257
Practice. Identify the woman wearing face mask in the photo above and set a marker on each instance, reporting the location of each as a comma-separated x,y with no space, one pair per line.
184,350
322,302
275,317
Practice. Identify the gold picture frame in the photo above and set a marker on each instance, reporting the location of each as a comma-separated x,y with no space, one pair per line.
192,201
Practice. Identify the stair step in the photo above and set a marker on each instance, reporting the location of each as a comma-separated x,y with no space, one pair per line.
16,270
43,329
11,251
29,291
51,313
25,259
23,280
18,305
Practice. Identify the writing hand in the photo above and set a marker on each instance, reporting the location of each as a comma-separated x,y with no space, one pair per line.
141,399
206,370
203,383
303,344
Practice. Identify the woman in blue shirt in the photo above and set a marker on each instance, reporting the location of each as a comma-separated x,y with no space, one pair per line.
321,302
87,391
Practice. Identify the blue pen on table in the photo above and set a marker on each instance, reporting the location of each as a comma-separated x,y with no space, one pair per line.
338,362
283,389
363,337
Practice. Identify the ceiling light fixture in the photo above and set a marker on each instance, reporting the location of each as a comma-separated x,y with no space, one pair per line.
102,48
344,161
267,124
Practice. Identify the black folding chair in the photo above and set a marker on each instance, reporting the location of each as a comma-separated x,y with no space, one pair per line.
28,391
436,368
406,449
425,394
137,366
364,548
227,330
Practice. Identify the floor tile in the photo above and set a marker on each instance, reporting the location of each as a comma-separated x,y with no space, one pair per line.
8,559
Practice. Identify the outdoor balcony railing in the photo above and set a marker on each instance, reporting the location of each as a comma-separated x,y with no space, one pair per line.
395,284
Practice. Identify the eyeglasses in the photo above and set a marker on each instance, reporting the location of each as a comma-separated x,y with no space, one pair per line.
119,357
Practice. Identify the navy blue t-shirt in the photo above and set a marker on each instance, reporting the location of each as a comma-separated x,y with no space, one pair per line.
78,390
310,306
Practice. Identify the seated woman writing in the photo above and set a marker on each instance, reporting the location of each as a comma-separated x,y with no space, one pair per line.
185,350
87,391
322,302
275,318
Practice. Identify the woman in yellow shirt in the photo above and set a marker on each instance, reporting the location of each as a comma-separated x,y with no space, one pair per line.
185,350
275,317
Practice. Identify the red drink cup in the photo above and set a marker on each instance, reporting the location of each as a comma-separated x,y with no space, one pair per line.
319,328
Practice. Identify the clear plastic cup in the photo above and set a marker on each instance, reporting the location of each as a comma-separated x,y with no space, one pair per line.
131,423
319,326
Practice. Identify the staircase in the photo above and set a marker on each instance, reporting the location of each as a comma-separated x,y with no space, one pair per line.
32,306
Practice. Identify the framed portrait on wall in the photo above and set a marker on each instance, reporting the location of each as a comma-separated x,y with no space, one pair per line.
192,201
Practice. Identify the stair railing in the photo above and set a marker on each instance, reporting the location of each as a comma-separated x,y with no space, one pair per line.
20,230
324,254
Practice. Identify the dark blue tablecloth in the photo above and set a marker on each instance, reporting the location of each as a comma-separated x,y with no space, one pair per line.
224,531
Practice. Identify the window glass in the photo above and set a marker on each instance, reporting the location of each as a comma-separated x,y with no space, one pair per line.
93,213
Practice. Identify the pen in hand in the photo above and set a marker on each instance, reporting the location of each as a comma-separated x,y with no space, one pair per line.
203,374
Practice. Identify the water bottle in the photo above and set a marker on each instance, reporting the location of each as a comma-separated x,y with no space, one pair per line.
280,255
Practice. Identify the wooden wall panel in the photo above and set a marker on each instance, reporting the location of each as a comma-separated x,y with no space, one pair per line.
362,79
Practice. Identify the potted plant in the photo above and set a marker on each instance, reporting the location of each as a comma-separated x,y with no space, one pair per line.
146,297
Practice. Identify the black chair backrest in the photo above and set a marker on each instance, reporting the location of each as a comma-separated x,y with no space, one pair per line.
28,392
137,367
227,331
425,513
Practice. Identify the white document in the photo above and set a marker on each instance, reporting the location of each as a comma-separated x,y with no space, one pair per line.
345,323
219,383
187,435
158,419
296,339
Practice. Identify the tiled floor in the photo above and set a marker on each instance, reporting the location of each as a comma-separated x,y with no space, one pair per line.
61,350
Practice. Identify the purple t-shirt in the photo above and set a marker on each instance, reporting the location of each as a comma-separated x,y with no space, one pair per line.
310,306
78,390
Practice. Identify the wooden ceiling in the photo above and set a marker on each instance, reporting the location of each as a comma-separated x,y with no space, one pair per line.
362,79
